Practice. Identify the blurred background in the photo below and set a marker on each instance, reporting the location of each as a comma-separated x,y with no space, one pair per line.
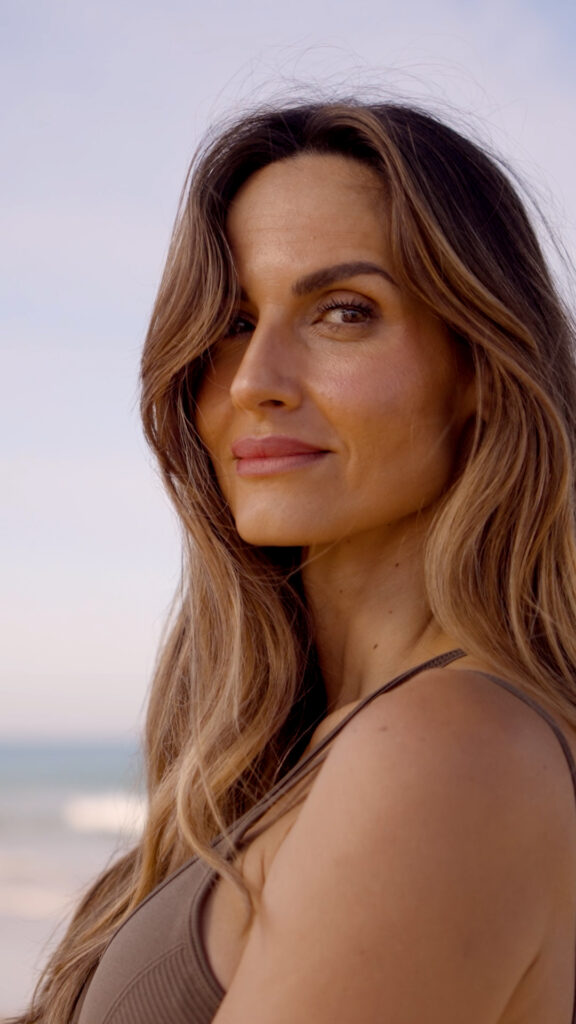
103,106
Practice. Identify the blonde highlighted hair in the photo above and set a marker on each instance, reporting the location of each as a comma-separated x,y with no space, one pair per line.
236,689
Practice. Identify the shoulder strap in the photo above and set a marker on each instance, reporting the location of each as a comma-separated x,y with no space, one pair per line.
543,714
309,762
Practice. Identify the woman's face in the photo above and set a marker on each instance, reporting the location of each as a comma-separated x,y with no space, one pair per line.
335,404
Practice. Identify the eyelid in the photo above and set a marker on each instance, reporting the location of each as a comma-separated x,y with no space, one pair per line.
358,303
347,294
337,302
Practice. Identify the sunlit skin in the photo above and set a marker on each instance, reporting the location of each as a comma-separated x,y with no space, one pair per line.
400,889
352,365
325,348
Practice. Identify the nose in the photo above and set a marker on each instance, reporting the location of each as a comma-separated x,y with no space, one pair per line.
268,374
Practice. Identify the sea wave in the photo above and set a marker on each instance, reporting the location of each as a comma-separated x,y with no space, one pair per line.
109,812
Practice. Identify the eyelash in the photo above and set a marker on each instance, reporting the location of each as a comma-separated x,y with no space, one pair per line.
356,304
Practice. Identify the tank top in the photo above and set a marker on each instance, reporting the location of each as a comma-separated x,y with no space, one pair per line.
155,969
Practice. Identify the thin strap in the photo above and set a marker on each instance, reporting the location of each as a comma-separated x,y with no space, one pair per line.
543,714
308,763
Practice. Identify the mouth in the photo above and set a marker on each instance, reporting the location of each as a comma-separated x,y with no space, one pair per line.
268,456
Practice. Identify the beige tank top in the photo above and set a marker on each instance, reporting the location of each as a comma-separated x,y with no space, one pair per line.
155,969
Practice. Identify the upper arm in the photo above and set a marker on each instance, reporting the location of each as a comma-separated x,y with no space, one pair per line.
410,886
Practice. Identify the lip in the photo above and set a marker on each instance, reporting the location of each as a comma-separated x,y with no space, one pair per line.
272,447
272,455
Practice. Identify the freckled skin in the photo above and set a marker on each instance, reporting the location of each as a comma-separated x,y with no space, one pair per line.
358,367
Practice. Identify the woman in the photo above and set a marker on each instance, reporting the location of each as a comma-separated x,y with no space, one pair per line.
359,383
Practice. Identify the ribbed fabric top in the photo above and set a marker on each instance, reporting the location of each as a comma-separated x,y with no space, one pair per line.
155,970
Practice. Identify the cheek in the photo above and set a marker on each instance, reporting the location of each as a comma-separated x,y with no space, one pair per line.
212,410
402,412
367,397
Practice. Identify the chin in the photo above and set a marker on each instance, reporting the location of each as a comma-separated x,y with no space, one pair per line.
273,539
276,534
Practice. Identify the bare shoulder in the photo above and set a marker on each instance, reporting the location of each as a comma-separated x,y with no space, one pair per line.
424,868
447,736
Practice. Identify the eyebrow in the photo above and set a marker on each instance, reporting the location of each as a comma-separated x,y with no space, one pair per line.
339,272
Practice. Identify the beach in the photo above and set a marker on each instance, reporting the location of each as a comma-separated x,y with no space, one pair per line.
65,810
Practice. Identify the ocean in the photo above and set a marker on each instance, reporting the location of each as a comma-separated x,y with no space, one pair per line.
65,810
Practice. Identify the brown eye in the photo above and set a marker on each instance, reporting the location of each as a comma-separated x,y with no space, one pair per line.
344,312
239,325
345,315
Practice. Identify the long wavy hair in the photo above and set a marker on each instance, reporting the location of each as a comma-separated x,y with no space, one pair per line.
237,688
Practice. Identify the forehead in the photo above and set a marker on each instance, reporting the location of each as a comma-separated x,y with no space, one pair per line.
306,204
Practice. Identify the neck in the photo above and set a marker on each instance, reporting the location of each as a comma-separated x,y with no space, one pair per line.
370,611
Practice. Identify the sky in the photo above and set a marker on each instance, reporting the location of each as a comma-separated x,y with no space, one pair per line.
104,104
